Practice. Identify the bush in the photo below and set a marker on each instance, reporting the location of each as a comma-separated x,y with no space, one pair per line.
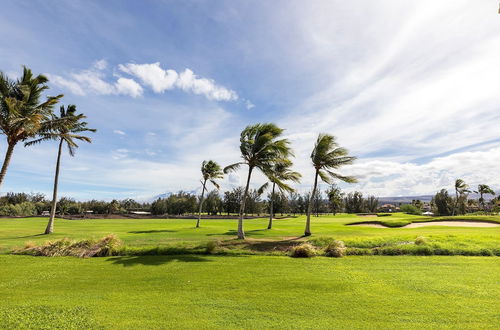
105,246
213,247
305,250
420,240
335,249
410,209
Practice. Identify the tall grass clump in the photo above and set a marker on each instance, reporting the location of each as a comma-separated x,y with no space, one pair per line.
304,250
420,240
335,249
213,247
86,248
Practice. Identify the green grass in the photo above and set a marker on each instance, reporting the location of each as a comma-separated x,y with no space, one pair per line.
239,290
188,292
173,236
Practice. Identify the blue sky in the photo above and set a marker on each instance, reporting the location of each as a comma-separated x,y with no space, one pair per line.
410,87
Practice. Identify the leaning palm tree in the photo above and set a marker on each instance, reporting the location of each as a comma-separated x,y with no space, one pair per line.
326,157
210,171
460,188
66,134
281,172
484,189
260,148
22,116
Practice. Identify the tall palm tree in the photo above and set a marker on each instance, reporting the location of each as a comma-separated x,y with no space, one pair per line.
22,116
260,148
326,157
210,171
66,134
460,188
281,172
484,189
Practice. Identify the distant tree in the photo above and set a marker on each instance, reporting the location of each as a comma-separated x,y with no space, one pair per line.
210,171
260,148
232,200
213,203
280,172
326,157
294,202
484,189
443,203
66,134
371,204
354,202
335,198
22,115
460,188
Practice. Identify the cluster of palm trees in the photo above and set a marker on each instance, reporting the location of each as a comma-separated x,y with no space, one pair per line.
262,147
25,119
462,190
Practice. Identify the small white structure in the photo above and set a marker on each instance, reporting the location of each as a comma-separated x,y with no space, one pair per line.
428,213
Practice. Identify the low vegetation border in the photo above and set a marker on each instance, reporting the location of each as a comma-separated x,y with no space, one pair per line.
111,245
398,223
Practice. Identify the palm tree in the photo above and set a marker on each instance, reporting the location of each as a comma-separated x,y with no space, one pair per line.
460,188
260,148
210,171
483,189
326,157
67,134
22,116
281,172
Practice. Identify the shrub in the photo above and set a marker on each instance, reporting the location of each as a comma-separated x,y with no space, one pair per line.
420,240
305,250
321,241
213,247
410,209
335,249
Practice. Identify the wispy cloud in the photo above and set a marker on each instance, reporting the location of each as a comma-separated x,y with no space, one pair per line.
119,132
93,81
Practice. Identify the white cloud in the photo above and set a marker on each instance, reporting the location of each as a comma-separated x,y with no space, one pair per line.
93,81
100,64
119,132
161,80
152,75
128,87
249,105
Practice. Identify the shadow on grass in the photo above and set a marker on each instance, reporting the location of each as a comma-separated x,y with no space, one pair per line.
154,260
255,232
35,235
152,231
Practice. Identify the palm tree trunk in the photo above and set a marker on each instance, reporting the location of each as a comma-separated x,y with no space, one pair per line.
241,232
50,225
8,156
307,232
201,204
271,209
456,202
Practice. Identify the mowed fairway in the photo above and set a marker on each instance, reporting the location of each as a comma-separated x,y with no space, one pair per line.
162,232
249,292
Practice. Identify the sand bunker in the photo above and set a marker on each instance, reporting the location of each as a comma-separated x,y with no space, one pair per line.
435,223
